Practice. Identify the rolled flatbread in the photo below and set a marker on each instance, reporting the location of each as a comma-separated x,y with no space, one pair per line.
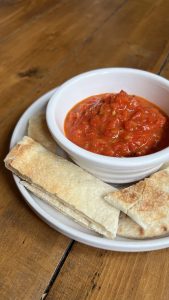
146,202
129,229
64,185
38,130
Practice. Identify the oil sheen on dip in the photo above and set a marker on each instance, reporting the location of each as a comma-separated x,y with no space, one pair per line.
118,125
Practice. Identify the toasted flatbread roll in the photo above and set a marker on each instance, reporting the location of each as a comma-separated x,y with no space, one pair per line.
38,130
64,185
129,229
146,202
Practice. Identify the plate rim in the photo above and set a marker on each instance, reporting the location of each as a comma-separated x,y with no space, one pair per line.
100,242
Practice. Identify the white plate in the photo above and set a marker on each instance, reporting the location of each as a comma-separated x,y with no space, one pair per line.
64,224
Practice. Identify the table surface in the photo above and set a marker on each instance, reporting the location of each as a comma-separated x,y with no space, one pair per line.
43,43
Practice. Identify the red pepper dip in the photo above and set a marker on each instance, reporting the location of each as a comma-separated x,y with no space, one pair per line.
118,125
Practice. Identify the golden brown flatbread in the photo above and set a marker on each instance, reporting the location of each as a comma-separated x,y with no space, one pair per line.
129,229
38,130
146,202
56,180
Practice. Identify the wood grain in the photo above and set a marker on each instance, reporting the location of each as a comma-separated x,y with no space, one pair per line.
43,43
35,57
90,273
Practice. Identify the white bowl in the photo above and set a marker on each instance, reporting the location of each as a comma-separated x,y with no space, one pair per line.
141,83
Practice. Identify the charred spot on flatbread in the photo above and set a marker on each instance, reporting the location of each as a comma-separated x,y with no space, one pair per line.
164,228
141,231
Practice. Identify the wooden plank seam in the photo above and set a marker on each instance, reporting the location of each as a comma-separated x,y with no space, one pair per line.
57,270
163,64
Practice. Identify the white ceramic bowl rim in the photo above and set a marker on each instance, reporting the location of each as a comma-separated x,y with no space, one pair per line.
93,157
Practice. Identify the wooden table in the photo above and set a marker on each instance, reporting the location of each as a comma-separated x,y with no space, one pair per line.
43,43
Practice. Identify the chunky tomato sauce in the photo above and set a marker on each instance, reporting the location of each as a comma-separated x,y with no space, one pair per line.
119,125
